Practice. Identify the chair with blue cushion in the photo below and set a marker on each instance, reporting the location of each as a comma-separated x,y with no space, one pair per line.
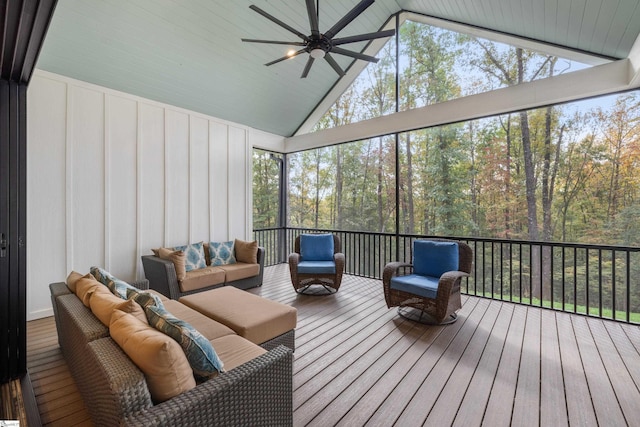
317,260
429,289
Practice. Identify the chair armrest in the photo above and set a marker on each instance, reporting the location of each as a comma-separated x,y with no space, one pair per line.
449,281
161,274
391,269
257,393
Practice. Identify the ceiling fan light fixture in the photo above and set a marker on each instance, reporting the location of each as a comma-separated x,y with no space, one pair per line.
317,53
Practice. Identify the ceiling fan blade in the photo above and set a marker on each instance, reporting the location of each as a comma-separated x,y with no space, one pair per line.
313,17
307,67
363,37
334,64
285,57
353,54
273,42
279,22
353,14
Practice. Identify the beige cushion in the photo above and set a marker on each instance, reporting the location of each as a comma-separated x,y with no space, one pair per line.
234,350
239,270
176,257
157,355
246,251
86,286
201,278
72,278
209,328
255,318
103,305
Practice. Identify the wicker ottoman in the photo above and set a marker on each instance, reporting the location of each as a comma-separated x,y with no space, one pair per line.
261,321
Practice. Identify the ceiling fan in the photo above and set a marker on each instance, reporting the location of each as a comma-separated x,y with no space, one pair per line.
321,45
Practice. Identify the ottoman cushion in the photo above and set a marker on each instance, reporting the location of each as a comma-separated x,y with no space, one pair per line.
250,316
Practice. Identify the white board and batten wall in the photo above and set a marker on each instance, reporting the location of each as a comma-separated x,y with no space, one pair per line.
111,175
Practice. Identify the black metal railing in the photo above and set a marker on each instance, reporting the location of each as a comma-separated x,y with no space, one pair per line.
594,280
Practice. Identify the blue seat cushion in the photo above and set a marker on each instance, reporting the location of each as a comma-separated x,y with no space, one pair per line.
316,247
425,286
317,267
431,258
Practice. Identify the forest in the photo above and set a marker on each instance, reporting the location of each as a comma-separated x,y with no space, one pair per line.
564,173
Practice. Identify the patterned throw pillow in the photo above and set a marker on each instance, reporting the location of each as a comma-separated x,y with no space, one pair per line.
222,253
200,353
145,299
116,286
194,256
101,275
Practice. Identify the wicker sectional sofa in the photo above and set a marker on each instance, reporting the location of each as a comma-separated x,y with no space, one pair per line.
116,392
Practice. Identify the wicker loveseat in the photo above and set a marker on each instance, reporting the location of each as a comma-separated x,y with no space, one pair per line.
164,275
116,392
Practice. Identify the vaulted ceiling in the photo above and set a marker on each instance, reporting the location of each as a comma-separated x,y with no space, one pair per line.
189,53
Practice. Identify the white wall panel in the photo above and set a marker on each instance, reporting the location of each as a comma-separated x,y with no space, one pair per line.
111,176
237,183
218,181
199,179
121,185
85,142
47,101
151,189
177,178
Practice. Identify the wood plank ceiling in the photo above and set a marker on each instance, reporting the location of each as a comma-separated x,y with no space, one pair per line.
189,53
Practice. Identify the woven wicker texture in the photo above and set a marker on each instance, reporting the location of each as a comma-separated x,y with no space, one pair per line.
301,282
288,339
447,300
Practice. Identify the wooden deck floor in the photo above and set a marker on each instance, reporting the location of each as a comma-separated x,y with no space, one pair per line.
358,363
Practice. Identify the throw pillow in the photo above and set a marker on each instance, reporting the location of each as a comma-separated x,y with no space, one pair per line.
144,299
72,278
101,275
103,304
246,251
221,253
178,259
120,288
194,256
85,287
158,356
433,258
200,353
316,247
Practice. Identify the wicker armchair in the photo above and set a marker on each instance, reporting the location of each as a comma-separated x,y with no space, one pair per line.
317,260
430,292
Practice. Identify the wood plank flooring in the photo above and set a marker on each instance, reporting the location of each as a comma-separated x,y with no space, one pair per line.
358,363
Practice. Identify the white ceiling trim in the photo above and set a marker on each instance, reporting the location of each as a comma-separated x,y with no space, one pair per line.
603,79
634,61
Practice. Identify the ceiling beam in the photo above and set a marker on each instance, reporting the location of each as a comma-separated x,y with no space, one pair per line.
634,60
603,79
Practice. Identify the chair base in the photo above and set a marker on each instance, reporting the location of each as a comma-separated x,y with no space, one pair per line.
317,291
421,316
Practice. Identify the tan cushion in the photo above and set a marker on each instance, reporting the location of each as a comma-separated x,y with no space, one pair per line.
209,328
157,355
255,318
103,304
246,251
234,350
85,286
72,278
176,257
239,270
201,278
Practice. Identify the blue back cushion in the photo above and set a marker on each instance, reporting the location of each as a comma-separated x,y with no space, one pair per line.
434,258
316,247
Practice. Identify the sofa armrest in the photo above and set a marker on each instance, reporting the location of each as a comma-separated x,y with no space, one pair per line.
161,274
257,393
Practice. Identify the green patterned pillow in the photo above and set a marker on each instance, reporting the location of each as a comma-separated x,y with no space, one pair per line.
101,275
145,299
200,353
222,253
194,256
